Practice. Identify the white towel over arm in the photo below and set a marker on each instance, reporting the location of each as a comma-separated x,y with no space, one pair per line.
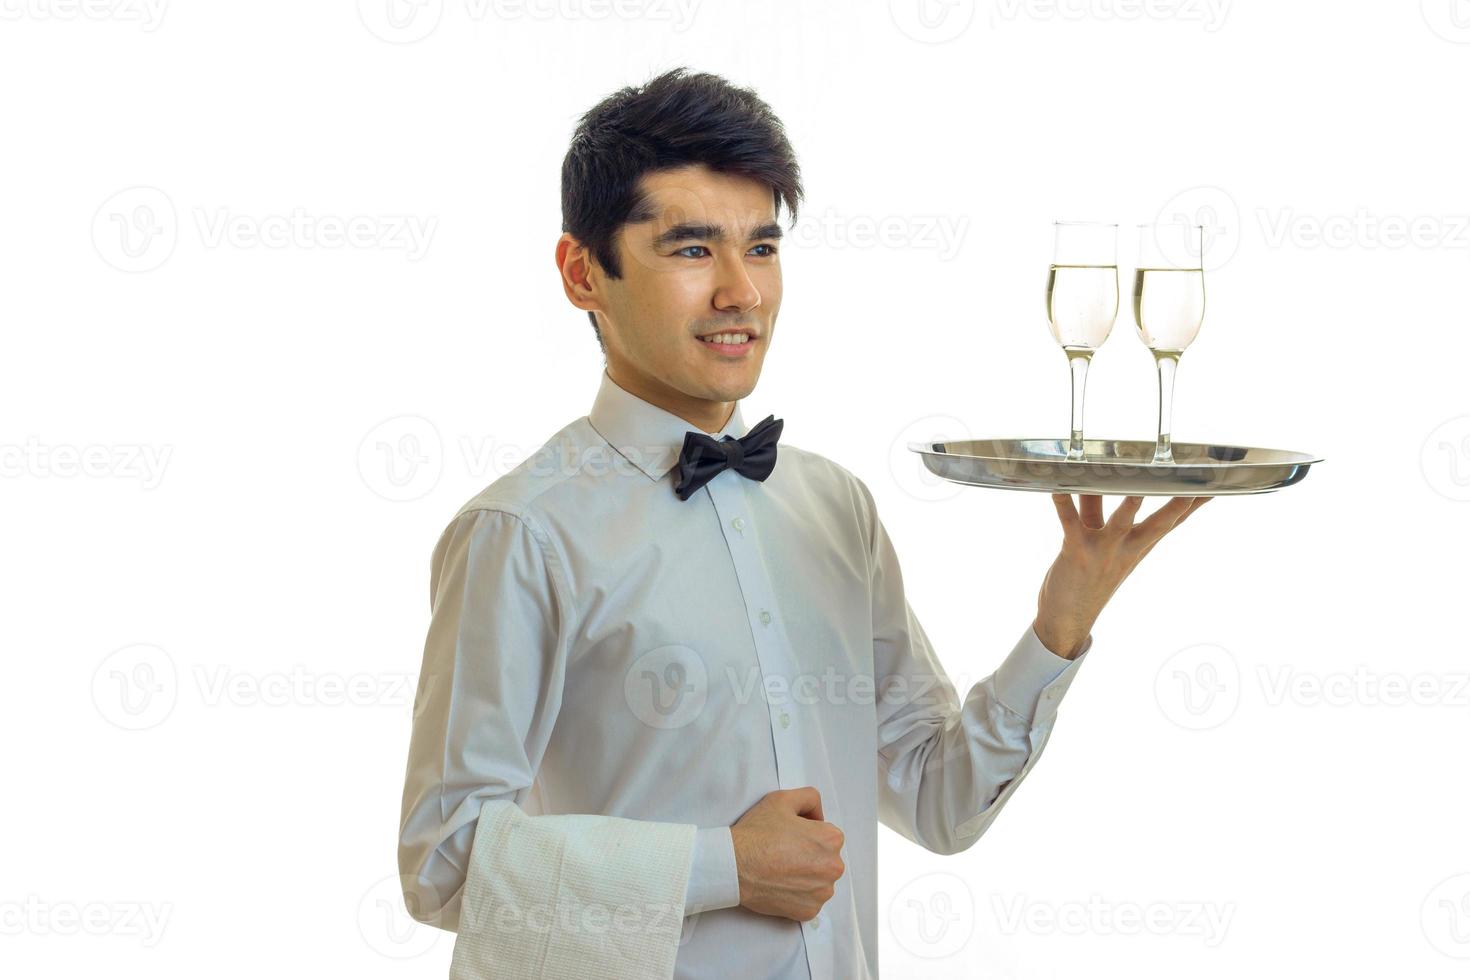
553,895
564,897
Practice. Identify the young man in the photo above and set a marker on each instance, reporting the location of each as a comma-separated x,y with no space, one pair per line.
672,683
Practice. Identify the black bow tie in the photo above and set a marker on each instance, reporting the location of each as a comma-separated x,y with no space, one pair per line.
753,455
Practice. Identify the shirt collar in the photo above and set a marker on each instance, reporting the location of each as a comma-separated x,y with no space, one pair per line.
649,437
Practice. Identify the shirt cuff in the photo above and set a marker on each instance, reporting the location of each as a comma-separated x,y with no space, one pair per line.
714,881
1030,668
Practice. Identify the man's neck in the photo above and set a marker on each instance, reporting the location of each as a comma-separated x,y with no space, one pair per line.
709,416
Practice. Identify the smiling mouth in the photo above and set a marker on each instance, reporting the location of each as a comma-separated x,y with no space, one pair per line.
730,344
728,338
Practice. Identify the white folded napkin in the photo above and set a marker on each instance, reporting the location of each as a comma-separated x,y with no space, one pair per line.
571,896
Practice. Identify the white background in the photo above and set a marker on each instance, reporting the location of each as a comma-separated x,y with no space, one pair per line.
213,627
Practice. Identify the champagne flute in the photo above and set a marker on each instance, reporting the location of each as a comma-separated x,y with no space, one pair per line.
1082,302
1168,306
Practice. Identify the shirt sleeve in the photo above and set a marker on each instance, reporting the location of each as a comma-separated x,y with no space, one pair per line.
946,768
488,696
714,881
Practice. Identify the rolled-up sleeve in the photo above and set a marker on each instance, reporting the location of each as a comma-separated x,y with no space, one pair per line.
946,768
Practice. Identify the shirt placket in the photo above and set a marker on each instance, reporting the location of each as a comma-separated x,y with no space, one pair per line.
774,656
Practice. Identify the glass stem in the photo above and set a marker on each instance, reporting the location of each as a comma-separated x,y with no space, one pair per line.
1078,360
1168,362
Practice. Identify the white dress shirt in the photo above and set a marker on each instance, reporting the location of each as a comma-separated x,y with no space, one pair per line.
612,649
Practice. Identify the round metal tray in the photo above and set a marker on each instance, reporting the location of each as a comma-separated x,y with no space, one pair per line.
1114,466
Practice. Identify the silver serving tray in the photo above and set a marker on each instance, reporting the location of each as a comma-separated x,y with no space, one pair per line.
1114,466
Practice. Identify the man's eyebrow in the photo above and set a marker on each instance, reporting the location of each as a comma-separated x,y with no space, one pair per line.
699,231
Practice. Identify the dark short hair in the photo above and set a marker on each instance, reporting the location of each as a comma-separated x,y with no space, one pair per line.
674,120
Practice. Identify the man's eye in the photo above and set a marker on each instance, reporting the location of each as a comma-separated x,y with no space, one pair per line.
687,248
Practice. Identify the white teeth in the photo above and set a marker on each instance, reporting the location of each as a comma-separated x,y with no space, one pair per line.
727,338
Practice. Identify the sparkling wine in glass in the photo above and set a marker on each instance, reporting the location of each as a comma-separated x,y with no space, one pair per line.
1168,306
1082,302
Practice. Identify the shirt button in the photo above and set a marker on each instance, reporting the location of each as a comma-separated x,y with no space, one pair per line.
738,523
765,618
785,720
817,922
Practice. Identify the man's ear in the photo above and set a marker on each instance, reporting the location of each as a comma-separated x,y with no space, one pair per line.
578,272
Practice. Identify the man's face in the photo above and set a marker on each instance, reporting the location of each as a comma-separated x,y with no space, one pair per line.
706,263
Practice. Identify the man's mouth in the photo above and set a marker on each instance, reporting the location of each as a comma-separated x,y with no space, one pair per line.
729,342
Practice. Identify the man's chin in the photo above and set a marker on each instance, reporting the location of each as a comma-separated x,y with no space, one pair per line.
725,392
